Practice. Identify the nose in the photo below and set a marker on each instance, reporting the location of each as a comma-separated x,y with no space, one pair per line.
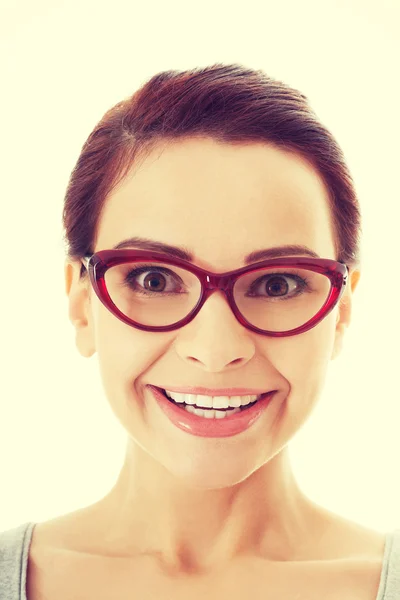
215,338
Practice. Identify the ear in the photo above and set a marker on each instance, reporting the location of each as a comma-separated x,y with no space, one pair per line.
80,314
344,313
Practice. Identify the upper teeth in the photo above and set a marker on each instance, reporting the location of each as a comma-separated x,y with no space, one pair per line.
212,401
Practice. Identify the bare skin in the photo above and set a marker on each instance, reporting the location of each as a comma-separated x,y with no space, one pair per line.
69,559
191,516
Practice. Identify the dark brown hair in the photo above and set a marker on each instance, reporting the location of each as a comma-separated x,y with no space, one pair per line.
229,103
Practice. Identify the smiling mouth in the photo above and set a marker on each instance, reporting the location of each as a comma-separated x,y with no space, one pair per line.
183,404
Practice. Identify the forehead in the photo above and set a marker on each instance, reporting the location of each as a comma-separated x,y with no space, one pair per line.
220,200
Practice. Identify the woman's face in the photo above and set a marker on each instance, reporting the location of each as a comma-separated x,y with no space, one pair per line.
222,202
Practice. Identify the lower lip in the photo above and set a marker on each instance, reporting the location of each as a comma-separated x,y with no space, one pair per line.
203,427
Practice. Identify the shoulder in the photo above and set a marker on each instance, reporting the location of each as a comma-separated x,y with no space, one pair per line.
14,548
376,578
14,542
362,579
390,578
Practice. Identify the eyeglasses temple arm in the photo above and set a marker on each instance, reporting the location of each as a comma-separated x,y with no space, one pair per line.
85,261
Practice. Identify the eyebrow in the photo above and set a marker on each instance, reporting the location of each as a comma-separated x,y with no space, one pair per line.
184,253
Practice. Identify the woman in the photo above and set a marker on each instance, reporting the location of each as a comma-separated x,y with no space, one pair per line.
212,233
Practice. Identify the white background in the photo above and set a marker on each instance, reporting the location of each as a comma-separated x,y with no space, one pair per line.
63,64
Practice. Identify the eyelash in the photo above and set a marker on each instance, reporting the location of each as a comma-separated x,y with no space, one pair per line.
304,282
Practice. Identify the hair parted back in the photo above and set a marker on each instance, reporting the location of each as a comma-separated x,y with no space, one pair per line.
229,103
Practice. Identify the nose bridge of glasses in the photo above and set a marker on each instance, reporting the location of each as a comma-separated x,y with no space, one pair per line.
214,282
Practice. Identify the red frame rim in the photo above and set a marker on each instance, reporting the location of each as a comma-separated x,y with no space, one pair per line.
98,263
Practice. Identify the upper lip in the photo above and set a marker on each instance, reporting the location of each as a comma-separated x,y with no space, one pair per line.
214,391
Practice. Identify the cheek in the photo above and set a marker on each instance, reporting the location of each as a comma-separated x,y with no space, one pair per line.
124,353
118,350
303,360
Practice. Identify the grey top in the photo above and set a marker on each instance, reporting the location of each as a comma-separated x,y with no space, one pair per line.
15,543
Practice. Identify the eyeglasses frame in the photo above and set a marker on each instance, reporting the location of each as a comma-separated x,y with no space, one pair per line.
98,263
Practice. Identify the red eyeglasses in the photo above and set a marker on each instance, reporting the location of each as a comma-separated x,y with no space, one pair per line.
277,297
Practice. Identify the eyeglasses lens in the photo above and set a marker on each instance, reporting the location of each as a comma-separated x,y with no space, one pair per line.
272,299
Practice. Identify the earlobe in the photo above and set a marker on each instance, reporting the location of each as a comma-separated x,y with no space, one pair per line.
79,310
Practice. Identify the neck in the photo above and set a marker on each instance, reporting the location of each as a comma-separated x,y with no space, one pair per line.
151,512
